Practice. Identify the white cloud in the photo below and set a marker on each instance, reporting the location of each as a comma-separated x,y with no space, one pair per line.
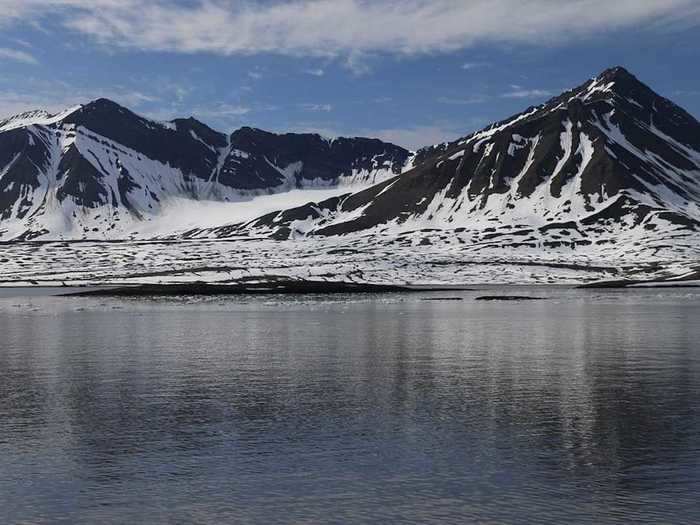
349,28
22,43
17,56
130,98
358,63
315,72
526,93
473,65
316,107
221,110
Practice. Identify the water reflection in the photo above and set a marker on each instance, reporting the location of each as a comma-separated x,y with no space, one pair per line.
582,408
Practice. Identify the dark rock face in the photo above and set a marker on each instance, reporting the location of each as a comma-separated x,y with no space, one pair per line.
612,136
102,154
176,145
22,159
257,158
80,180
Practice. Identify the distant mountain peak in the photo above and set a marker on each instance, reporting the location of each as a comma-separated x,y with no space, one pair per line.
103,101
620,88
616,73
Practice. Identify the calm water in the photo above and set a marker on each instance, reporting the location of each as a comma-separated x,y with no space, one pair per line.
582,408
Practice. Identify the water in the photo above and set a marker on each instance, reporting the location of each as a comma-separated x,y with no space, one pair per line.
582,408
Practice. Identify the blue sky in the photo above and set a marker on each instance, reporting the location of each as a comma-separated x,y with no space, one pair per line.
414,72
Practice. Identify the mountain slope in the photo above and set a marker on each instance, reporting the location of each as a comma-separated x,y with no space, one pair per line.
101,171
607,157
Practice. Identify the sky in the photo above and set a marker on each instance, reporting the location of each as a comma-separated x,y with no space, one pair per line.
413,72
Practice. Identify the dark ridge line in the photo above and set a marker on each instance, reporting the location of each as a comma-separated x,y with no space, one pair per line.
266,288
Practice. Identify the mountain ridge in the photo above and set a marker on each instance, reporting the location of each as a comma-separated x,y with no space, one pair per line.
58,171
603,148
599,183
491,163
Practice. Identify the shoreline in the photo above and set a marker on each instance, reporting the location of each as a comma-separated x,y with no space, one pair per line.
262,288
306,287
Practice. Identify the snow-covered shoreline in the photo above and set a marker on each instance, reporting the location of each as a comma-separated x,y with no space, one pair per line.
357,259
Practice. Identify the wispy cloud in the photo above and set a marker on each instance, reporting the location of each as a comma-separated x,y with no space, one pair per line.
473,65
133,98
17,56
316,107
221,110
473,99
527,93
348,28
687,92
315,72
358,63
23,43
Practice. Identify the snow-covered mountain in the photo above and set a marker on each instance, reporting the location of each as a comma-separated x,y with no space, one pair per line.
101,171
609,162
602,181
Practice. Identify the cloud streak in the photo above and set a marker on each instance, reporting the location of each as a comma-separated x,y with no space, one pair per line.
475,99
17,56
527,93
315,72
347,28
55,95
316,107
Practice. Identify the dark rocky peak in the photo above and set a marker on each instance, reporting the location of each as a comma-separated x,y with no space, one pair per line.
615,93
254,139
160,141
248,138
103,104
311,156
115,122
617,88
200,130
619,85
617,73
636,104
104,114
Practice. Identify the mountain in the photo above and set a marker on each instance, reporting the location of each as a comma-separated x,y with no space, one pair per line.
100,170
609,162
602,181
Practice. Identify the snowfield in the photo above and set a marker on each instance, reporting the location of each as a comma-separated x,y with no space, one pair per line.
418,257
